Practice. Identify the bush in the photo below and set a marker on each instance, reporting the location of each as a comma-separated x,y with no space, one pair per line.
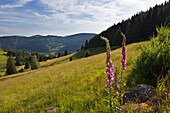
87,54
71,58
21,70
153,60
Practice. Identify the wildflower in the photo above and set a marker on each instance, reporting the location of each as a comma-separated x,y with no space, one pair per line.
109,63
123,61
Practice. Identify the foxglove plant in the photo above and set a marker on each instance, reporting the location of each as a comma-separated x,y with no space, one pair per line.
123,61
123,53
109,68
109,63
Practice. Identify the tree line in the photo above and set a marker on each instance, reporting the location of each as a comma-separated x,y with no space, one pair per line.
29,60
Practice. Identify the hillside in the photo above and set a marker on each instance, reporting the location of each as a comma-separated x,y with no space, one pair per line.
139,27
45,44
71,86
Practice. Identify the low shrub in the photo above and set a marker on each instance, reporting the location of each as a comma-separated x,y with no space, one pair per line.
153,60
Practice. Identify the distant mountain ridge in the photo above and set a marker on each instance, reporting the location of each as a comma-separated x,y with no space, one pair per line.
45,44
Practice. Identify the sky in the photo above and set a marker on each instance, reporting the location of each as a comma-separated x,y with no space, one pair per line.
66,17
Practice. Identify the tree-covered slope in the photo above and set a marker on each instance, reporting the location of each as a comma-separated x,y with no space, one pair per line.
137,28
45,44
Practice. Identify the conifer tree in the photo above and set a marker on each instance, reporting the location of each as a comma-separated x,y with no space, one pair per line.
86,44
27,64
41,58
59,55
11,68
34,62
65,52
82,47
19,59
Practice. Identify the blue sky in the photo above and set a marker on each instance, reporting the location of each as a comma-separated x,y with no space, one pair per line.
65,17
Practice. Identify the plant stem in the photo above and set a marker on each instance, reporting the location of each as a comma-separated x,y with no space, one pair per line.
121,75
120,87
110,95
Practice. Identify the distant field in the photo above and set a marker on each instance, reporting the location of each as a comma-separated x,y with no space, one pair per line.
74,86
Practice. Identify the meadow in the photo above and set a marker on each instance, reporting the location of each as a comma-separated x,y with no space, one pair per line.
70,86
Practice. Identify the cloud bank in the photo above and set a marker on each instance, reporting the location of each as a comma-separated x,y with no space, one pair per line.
63,17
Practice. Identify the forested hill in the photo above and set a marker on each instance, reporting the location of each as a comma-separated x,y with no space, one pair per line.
45,44
137,28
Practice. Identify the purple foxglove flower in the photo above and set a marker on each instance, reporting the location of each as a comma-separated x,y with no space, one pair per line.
109,64
123,53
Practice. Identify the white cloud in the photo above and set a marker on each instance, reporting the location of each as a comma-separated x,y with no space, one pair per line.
95,15
63,17
19,4
100,10
41,16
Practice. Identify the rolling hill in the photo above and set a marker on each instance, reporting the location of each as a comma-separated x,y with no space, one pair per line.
45,44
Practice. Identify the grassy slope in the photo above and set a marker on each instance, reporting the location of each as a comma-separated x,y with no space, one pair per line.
3,60
93,51
78,86
42,65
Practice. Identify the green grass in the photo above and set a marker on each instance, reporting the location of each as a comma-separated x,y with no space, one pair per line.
55,61
1,51
76,86
93,51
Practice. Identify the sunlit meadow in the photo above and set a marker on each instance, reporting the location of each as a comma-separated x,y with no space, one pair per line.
71,86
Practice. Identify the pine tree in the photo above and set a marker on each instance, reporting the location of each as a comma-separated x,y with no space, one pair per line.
86,44
19,59
82,47
59,55
34,62
11,68
41,58
27,64
65,52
